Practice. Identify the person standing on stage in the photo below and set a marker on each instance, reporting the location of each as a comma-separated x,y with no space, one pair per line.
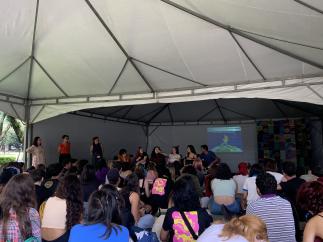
96,150
37,152
64,149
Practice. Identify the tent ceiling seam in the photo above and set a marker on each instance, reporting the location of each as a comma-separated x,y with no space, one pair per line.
38,113
168,72
307,5
32,50
248,57
116,111
241,33
15,111
118,77
314,91
220,111
280,40
14,70
50,77
127,112
170,114
106,27
238,113
206,114
147,114
280,109
156,114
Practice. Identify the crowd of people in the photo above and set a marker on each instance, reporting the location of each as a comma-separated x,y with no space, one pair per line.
157,197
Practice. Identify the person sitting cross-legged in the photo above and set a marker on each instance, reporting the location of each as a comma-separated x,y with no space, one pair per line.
275,211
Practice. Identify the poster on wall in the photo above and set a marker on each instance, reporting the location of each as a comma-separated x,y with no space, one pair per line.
282,140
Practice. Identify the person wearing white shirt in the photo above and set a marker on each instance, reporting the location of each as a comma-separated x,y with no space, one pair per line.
174,156
249,188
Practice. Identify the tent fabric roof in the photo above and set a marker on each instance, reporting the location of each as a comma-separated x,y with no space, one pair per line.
206,112
62,56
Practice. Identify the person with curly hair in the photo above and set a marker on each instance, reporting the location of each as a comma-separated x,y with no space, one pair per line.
103,220
310,200
239,229
19,219
63,210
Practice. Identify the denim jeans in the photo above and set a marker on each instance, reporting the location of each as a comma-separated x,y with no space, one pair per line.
233,208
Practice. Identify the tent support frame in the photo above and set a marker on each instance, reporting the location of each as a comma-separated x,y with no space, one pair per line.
32,50
307,5
106,27
168,72
241,33
248,57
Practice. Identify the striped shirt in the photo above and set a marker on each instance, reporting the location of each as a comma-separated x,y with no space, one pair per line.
277,213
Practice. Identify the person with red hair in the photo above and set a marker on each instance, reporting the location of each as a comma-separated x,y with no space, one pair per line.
240,178
310,200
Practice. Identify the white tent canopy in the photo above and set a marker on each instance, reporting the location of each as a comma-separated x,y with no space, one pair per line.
61,56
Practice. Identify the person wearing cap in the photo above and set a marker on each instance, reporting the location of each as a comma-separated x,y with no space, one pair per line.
240,178
113,178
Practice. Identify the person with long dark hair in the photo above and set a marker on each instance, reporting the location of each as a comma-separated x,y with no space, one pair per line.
103,220
96,150
89,183
158,157
224,190
37,152
131,196
19,219
190,155
63,210
186,220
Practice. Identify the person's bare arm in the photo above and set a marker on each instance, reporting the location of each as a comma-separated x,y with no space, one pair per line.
134,201
164,235
59,149
309,232
244,200
147,190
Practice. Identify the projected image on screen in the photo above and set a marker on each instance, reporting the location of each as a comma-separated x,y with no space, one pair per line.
225,139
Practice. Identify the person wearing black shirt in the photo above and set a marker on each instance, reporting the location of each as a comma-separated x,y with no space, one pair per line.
186,212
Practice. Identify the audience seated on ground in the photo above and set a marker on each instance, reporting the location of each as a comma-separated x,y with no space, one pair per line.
139,211
89,183
241,177
250,193
310,200
185,220
38,176
290,187
224,190
19,218
138,197
103,221
275,211
63,210
244,229
271,168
